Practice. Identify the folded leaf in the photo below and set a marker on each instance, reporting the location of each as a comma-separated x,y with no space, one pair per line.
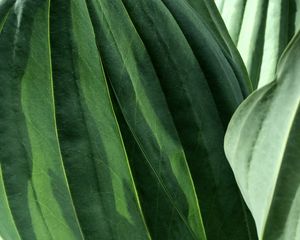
262,145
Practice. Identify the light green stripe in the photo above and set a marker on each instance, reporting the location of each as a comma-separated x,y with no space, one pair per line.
8,229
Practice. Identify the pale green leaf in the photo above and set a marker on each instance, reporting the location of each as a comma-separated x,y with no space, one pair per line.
261,30
262,145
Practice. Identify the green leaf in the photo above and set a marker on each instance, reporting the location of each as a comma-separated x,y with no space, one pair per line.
168,200
232,15
94,156
209,14
96,164
157,90
200,100
261,30
262,145
219,4
33,177
5,7
174,78
8,228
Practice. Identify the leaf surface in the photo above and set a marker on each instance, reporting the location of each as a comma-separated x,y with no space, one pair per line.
8,228
96,164
168,199
32,172
261,30
157,73
173,77
262,145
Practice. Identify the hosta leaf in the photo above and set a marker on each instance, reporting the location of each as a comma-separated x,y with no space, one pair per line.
5,7
27,50
227,93
175,78
261,29
232,14
154,63
96,163
208,12
32,171
206,123
171,207
219,4
8,228
262,145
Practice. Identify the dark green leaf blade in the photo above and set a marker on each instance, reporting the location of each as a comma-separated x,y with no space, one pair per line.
200,122
33,175
208,11
5,7
175,212
94,156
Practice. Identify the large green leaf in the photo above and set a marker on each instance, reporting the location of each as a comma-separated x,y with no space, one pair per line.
32,172
261,30
232,13
8,228
175,214
208,12
5,7
163,75
175,79
95,159
262,145
92,149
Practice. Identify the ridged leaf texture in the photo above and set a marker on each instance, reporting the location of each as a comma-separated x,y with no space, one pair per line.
112,118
